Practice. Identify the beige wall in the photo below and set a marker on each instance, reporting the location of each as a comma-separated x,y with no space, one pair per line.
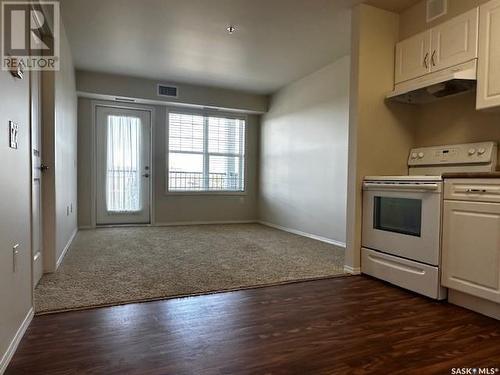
380,133
303,162
455,120
413,20
15,214
66,148
84,162
59,153
146,89
171,208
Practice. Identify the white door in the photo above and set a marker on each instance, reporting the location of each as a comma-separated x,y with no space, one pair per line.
455,41
471,248
36,175
413,57
123,156
488,73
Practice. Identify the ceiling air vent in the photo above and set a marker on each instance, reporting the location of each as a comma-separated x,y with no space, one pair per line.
436,9
170,91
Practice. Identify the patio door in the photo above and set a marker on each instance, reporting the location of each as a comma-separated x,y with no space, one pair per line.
123,168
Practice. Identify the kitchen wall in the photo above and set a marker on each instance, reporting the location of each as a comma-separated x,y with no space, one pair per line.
451,120
380,133
171,208
60,154
455,120
303,157
15,212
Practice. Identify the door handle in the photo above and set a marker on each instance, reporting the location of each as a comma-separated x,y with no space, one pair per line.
145,175
425,60
400,187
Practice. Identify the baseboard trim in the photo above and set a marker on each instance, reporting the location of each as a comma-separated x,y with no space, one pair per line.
65,250
85,227
479,305
171,224
352,270
15,341
181,223
303,234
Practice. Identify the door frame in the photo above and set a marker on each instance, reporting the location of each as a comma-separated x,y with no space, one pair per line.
93,163
40,132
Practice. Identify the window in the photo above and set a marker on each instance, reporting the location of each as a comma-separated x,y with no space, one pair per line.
123,174
398,215
205,153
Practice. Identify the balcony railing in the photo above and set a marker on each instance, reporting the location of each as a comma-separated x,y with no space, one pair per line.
196,181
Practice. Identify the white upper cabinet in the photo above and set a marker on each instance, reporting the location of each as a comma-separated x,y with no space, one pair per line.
488,74
413,57
455,42
451,43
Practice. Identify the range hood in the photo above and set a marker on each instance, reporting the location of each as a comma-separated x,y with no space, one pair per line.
448,82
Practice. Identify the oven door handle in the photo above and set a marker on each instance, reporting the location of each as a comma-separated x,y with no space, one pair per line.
385,186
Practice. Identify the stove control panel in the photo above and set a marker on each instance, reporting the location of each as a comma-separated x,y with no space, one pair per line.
471,153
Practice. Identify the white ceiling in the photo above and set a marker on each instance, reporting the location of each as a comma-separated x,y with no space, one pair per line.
277,41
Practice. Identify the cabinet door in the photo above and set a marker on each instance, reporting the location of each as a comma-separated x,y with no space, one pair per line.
413,57
455,41
488,74
471,248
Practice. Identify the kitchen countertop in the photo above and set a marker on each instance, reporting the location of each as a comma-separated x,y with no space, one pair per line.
471,175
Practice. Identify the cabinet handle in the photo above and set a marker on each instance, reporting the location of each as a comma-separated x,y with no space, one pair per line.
476,190
432,58
425,60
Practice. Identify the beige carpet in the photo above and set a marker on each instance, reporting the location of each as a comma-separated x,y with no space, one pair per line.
118,265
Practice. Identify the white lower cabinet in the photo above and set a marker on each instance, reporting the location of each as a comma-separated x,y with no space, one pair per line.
471,244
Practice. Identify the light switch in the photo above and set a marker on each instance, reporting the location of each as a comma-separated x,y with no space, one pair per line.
13,131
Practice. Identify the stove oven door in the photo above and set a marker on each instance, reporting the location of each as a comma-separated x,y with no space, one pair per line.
403,219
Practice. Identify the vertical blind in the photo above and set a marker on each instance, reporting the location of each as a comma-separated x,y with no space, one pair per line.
205,153
123,190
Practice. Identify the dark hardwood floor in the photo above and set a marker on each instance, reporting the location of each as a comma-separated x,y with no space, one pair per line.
351,325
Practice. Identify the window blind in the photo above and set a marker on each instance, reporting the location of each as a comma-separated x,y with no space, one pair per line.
205,153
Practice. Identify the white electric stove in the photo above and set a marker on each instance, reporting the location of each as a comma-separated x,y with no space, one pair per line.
401,238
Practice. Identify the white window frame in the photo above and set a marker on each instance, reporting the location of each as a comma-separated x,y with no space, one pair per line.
206,113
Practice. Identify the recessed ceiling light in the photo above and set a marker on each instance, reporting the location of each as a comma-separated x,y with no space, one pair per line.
231,29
